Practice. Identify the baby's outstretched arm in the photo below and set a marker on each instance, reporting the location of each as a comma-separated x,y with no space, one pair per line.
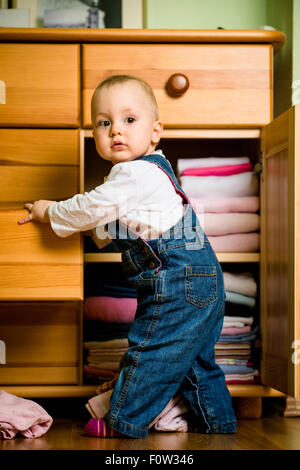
37,211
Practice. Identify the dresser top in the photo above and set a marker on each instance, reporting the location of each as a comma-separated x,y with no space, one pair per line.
191,36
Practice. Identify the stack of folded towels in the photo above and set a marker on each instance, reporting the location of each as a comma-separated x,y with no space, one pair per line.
109,314
235,349
224,195
109,310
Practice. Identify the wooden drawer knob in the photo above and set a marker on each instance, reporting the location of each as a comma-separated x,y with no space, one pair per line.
177,84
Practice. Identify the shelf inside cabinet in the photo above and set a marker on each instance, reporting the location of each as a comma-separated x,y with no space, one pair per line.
102,257
53,391
201,133
222,257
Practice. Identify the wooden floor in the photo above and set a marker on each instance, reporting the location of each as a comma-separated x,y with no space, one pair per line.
271,432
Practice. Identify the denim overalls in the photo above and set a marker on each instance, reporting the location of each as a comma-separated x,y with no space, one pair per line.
179,318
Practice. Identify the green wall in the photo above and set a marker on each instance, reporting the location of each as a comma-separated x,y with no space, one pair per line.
296,38
283,15
204,14
280,16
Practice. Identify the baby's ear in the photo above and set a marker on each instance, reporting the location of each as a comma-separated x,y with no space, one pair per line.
157,131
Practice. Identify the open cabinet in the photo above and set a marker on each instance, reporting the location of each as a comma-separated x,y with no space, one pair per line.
279,283
232,142
48,152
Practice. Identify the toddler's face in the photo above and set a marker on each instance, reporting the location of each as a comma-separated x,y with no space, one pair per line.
124,126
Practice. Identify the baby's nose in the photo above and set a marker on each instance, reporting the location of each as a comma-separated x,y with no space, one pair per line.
115,130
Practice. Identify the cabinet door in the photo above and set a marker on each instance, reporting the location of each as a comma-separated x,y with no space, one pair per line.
40,84
229,85
280,268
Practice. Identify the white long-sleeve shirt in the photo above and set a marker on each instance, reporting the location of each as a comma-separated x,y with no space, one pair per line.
138,193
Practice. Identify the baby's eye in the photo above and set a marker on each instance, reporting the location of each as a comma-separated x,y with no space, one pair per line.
104,123
130,120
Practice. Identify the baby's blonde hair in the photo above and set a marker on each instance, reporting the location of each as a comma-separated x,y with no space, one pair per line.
119,79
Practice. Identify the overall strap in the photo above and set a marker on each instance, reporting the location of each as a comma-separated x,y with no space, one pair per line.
189,218
166,167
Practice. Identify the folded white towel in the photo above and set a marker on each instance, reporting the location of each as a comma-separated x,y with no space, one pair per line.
242,299
243,283
243,184
228,321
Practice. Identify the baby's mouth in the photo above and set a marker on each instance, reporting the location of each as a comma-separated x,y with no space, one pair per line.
118,145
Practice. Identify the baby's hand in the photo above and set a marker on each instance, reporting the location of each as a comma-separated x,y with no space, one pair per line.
37,211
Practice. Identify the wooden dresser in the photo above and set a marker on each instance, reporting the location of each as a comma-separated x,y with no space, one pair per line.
47,77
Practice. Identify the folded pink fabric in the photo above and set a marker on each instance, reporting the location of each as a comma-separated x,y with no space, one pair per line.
233,222
226,204
237,242
218,170
172,418
204,162
106,365
110,309
99,372
18,415
235,331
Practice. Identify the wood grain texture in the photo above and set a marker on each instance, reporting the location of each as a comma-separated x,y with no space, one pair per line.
222,257
45,375
236,391
67,433
40,335
41,282
296,254
279,254
39,146
35,263
230,85
249,408
111,35
38,164
42,85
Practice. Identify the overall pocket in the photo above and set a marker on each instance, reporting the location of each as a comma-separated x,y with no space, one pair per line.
201,285
152,284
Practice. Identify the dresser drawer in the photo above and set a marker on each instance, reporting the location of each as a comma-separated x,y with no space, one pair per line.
37,264
41,85
42,342
38,164
229,85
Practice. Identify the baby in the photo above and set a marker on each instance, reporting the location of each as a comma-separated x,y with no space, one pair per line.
166,256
